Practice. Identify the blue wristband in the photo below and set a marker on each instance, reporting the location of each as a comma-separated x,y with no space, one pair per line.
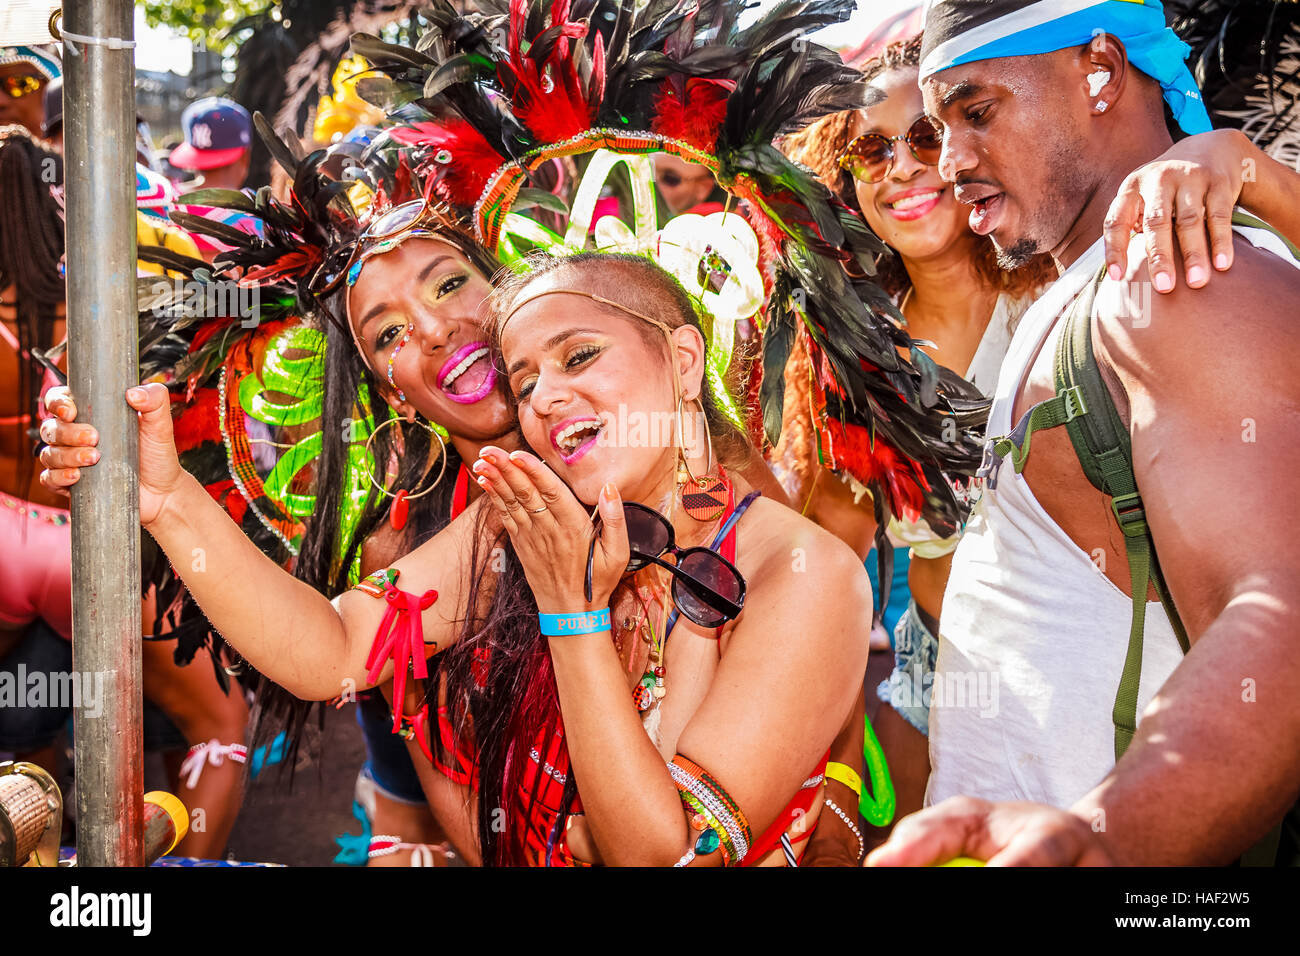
583,622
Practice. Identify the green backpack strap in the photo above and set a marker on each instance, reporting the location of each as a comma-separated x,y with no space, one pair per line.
1105,452
1242,218
1083,404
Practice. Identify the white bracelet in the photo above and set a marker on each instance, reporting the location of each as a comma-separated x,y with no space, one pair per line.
862,845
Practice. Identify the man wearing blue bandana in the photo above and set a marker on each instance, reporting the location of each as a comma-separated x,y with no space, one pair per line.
1044,109
24,72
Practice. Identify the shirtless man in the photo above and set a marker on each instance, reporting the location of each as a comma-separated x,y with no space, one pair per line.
1037,140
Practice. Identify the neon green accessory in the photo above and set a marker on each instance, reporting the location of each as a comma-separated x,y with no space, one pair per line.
877,807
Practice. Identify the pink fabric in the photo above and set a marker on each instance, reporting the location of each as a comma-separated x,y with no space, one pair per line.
35,565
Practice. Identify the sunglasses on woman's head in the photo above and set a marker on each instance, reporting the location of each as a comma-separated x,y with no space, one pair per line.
870,157
706,588
384,234
19,86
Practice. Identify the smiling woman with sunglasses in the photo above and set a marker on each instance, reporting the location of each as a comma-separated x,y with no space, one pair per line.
883,162
698,698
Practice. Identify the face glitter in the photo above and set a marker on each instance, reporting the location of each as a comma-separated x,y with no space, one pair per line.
401,396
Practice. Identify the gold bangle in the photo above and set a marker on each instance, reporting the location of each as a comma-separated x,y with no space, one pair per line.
843,773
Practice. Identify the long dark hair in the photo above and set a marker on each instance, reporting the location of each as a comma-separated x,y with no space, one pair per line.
31,245
820,144
327,551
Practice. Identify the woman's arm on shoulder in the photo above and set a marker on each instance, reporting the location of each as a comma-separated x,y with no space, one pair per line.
445,565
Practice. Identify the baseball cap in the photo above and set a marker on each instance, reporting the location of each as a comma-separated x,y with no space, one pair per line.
217,132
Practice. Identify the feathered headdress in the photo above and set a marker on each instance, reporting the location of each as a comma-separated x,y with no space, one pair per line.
1246,59
490,98
226,338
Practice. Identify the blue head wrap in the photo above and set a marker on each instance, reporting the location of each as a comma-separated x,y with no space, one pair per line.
964,31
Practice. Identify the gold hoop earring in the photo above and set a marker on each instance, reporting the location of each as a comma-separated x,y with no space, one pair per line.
704,498
398,511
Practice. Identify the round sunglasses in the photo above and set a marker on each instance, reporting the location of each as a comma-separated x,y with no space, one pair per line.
870,157
19,86
707,588
385,233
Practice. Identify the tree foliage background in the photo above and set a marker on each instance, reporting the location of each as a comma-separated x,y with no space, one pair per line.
283,51
208,22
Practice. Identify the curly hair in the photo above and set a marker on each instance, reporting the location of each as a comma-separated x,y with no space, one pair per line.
820,145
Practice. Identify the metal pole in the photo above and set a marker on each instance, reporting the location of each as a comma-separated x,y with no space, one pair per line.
103,361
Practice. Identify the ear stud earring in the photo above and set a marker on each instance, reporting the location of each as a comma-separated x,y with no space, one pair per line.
1101,106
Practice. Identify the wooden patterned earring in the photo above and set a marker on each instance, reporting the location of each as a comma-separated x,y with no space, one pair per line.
704,497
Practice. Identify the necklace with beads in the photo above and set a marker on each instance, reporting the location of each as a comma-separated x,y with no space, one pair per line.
651,688
650,691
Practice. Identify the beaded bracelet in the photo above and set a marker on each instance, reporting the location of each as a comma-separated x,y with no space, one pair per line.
703,794
862,845
713,833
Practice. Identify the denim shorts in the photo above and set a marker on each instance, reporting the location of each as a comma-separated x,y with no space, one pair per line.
908,687
24,728
388,762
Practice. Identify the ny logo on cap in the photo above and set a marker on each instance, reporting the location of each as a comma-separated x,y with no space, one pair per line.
201,135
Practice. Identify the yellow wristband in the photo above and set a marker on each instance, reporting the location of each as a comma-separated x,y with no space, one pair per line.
843,773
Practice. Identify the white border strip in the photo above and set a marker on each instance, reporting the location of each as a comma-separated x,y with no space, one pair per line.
1036,14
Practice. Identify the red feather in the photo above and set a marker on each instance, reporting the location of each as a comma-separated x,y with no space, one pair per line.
198,421
298,263
876,464
467,159
548,97
229,497
695,117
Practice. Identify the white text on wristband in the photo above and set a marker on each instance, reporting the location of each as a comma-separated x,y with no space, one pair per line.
583,622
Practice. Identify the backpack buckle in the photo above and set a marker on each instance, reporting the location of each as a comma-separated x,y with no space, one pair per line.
1074,403
1130,513
989,464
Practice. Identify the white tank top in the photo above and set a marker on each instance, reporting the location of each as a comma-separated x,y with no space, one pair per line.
1033,636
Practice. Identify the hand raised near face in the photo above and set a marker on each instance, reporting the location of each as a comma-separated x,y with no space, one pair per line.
552,532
